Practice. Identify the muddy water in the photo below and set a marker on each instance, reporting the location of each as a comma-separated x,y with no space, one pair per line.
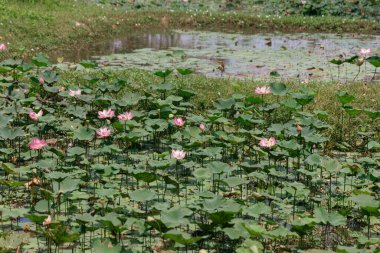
255,56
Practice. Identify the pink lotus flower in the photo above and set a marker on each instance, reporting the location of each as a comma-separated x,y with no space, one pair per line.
106,114
265,143
125,116
103,132
3,47
34,116
202,127
298,127
365,51
178,154
47,221
36,144
303,2
263,90
74,93
41,80
178,121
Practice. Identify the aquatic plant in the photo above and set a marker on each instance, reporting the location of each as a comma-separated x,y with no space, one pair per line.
244,175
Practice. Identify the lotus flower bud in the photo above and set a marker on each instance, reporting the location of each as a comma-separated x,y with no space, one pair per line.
150,219
360,61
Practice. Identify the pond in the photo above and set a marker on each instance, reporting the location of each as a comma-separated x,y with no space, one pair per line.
303,56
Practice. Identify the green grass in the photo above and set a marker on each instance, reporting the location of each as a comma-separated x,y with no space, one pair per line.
210,90
224,87
46,25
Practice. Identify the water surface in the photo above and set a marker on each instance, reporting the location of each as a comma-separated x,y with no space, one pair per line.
254,56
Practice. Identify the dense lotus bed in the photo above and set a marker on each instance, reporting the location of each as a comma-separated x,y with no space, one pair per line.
91,167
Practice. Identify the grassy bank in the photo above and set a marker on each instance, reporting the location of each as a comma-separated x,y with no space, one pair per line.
30,26
209,90
325,99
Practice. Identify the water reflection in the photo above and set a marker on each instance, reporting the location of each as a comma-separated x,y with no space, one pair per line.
314,43
300,56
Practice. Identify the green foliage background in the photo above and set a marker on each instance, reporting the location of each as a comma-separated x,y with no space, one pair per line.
353,8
